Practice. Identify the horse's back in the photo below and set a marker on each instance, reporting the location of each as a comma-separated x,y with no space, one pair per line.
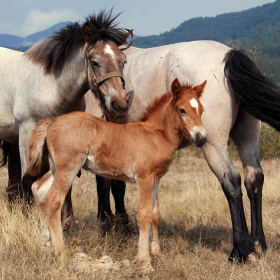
149,73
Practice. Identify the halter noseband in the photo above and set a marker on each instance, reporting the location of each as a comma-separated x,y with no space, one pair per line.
98,80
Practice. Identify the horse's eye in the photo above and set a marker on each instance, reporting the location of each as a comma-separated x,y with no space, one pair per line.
94,63
182,111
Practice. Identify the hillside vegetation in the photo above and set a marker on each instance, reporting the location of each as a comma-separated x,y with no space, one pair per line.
256,30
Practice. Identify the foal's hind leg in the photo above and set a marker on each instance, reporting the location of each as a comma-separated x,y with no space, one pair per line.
216,154
53,204
39,190
246,134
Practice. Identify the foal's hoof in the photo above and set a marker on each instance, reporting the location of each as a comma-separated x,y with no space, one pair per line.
146,269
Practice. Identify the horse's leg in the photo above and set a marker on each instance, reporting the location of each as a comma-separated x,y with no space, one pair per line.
39,190
27,180
14,173
118,192
53,205
145,188
220,163
104,213
246,134
155,244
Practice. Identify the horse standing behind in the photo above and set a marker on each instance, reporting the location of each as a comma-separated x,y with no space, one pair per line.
51,78
78,139
235,95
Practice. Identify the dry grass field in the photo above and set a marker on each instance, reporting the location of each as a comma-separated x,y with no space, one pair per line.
195,232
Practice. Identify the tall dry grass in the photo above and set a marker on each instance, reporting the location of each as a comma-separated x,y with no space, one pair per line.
195,232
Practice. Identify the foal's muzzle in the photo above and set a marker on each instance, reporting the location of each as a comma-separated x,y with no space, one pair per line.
199,136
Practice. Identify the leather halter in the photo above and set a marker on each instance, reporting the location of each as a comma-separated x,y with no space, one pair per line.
98,80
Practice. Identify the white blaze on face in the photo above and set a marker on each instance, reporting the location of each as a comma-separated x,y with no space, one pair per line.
194,104
108,50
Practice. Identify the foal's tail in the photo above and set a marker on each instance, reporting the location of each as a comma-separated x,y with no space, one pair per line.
36,146
257,94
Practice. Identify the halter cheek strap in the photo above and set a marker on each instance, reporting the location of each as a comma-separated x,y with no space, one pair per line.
98,80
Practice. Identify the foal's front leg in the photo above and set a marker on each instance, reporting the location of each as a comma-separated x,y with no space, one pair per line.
155,244
145,217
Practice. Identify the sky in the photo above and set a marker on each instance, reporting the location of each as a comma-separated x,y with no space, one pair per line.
145,17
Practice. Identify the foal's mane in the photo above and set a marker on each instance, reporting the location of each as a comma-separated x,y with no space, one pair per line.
162,100
52,52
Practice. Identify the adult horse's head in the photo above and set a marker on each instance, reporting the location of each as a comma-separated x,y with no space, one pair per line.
105,62
77,58
190,110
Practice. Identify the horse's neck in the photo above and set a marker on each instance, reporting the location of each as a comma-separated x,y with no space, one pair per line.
166,120
65,87
72,83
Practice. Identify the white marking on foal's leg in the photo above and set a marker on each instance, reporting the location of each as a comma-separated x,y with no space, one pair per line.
40,189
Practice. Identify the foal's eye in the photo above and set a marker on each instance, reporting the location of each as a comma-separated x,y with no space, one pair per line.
94,63
182,111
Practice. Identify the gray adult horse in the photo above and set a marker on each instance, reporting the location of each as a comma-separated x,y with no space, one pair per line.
51,78
235,92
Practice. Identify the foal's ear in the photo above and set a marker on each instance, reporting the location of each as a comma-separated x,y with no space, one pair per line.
87,32
175,87
199,89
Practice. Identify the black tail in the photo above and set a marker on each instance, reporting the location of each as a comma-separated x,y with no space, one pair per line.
5,146
257,94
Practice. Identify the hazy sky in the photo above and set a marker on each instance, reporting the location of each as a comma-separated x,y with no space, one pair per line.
145,17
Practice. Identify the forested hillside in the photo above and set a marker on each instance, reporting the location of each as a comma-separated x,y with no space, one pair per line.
256,30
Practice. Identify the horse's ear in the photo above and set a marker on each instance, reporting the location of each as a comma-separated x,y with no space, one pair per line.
175,86
87,32
199,89
128,34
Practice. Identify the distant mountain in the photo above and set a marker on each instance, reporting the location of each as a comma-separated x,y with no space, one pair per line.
17,42
257,30
222,28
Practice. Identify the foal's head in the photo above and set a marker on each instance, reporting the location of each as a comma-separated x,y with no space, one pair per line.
106,61
190,110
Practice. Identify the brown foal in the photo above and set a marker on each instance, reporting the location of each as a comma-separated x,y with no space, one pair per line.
137,152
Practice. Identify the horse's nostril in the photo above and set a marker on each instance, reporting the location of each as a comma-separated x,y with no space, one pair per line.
120,106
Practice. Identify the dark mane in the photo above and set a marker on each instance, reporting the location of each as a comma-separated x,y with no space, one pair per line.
52,52
103,28
155,105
